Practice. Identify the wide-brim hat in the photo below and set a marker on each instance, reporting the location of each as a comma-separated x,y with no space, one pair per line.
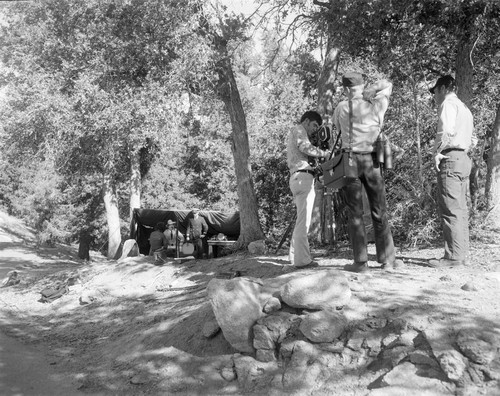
170,222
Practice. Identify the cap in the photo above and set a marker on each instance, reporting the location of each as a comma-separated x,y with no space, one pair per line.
352,79
444,81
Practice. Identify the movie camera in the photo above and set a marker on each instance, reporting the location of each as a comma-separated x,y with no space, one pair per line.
321,139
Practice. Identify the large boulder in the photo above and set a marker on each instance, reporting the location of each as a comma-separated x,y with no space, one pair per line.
320,290
237,307
130,249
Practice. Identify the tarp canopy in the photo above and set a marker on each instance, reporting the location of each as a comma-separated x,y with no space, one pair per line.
143,221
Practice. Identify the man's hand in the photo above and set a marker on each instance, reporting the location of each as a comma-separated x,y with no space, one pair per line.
369,94
438,158
202,236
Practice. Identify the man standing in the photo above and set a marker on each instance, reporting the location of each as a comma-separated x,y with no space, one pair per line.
454,139
197,229
359,119
301,182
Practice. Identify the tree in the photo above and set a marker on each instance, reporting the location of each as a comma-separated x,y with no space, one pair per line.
227,90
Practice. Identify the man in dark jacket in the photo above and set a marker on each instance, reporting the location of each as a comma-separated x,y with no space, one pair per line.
197,229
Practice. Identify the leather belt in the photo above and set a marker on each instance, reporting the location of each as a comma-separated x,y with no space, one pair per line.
446,151
311,172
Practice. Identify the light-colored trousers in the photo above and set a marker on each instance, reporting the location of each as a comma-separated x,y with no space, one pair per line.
302,187
453,180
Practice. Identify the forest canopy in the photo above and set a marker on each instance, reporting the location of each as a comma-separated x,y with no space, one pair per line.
109,106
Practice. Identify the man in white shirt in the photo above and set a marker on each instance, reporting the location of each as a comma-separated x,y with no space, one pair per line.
359,120
455,137
301,182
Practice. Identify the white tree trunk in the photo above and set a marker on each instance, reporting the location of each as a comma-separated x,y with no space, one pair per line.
135,182
112,217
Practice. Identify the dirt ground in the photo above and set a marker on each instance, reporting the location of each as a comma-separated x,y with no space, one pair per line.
142,332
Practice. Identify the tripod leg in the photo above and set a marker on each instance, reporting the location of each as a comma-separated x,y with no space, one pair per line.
287,232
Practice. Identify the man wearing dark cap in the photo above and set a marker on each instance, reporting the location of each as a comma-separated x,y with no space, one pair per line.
455,137
197,229
301,183
359,119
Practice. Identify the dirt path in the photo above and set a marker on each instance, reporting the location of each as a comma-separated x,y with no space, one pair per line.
26,370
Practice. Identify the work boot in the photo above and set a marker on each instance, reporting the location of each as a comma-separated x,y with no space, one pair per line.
357,267
396,264
446,263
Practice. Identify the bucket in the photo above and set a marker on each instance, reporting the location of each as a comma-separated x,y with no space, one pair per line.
187,248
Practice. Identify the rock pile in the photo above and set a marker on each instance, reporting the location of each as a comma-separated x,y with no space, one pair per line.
294,337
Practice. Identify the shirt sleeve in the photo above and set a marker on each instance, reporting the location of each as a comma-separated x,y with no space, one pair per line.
306,147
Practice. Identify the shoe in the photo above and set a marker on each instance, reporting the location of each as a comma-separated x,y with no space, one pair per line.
392,266
291,267
312,264
357,267
446,263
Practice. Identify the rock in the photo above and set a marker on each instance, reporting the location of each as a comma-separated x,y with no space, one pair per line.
320,290
265,355
323,326
11,279
356,340
227,372
257,247
407,338
453,364
140,379
420,358
210,328
254,376
477,350
262,337
130,249
395,355
416,379
272,305
87,297
235,303
469,286
279,324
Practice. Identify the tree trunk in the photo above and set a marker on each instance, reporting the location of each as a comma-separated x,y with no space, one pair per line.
415,89
250,228
84,244
323,220
112,217
465,70
464,78
493,177
135,182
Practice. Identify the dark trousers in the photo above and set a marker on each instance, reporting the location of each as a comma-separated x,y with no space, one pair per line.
453,178
371,178
198,248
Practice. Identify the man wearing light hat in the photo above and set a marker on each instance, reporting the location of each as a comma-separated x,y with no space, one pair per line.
173,237
455,137
359,119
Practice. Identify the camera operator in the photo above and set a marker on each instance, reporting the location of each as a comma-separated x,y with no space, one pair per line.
360,120
302,173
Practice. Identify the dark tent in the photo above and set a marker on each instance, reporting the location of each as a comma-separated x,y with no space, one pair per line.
143,221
